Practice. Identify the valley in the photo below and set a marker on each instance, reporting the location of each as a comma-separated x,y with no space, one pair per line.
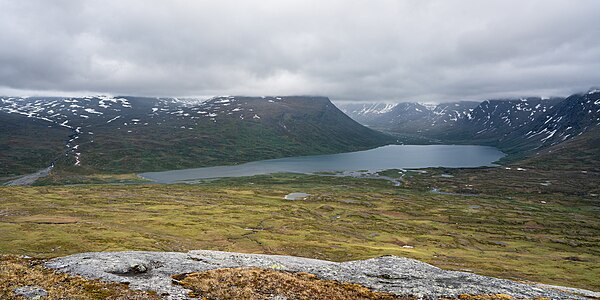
421,202
300,150
131,134
514,228
89,136
367,161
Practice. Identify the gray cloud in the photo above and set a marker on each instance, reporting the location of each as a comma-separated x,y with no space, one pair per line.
349,50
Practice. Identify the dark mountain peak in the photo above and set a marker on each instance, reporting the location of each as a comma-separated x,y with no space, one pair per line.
514,124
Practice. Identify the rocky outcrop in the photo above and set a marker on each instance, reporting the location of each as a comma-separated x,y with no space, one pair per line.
397,275
31,292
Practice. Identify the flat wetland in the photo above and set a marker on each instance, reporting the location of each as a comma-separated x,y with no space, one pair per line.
514,227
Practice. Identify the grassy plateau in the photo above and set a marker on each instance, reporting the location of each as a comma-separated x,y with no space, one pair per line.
515,228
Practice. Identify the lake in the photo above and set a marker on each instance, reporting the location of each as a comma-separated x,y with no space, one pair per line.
386,157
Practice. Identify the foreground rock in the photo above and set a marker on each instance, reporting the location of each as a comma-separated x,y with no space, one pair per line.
31,292
396,275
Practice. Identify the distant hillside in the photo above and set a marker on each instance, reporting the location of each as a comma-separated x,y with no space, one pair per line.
495,122
132,134
411,122
576,115
580,153
368,113
27,145
519,127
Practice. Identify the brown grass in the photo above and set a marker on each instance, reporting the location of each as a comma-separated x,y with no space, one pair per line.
17,272
40,219
259,284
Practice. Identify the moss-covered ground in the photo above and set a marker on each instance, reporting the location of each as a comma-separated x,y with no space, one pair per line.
551,237
264,284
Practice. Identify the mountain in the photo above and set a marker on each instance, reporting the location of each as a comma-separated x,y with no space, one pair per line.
521,127
493,120
409,120
579,153
28,144
132,134
517,126
366,113
574,116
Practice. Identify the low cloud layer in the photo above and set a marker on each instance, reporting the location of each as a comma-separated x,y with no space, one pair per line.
348,50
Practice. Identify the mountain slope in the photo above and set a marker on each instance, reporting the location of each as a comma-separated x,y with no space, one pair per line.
580,153
367,113
131,134
27,144
492,121
522,128
519,127
576,115
408,117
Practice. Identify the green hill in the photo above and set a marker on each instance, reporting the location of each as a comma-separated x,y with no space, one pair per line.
133,134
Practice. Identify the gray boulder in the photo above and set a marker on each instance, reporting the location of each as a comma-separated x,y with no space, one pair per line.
31,292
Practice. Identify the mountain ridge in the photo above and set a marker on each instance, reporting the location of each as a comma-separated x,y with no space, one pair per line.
517,126
131,134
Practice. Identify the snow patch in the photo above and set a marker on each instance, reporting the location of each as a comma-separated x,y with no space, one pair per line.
113,119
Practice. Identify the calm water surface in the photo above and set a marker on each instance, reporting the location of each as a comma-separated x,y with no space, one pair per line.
386,157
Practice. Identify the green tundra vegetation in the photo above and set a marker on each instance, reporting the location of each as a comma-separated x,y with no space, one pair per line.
519,224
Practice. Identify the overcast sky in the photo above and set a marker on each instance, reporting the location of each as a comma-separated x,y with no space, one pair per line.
348,50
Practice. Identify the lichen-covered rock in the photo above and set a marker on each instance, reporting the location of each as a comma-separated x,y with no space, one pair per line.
396,275
138,268
31,292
